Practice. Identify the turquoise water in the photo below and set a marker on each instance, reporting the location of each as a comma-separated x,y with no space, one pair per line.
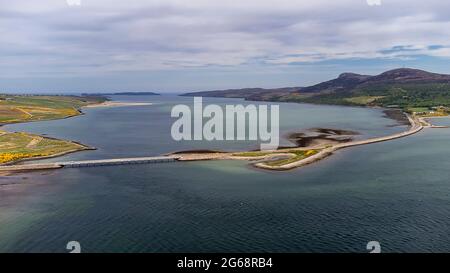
394,192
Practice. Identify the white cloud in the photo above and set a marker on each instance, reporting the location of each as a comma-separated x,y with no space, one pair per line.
374,2
101,36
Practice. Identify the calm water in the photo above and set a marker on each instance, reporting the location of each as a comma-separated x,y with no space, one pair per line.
397,193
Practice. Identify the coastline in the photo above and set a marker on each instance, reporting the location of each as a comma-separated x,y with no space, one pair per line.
17,162
283,159
324,151
415,127
14,166
117,104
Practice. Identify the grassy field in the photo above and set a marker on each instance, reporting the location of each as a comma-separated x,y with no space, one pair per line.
19,146
427,112
296,155
34,108
299,155
363,100
418,109
252,154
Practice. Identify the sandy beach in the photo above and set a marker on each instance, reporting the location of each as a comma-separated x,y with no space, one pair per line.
117,104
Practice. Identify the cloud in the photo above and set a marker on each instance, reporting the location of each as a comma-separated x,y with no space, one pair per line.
49,37
374,2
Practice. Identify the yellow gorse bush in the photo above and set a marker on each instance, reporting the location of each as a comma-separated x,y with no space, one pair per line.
10,157
310,152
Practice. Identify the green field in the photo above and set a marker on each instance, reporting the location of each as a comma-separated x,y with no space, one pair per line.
418,109
252,154
295,155
403,96
363,100
34,108
298,155
19,146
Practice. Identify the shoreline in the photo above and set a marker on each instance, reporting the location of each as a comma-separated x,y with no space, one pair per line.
13,166
416,127
263,159
117,104
323,151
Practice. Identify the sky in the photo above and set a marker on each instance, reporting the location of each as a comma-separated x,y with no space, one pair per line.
65,46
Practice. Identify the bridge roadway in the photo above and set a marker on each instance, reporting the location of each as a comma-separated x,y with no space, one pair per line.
118,161
416,126
91,163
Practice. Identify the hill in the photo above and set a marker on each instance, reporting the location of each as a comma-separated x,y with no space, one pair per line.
403,88
256,94
121,94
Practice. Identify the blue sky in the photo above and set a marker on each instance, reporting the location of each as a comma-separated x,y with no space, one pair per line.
177,46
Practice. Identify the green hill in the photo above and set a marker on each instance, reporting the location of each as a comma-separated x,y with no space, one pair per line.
402,88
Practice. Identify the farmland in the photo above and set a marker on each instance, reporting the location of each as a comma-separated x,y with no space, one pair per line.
17,146
15,109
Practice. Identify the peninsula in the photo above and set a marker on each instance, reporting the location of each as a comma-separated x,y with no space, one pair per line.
120,94
291,158
20,146
16,147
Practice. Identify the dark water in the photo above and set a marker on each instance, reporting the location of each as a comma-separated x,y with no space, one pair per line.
397,192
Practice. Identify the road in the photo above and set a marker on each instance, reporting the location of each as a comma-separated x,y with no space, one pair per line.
416,126
89,163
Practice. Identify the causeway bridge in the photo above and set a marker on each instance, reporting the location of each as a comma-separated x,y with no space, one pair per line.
90,163
118,161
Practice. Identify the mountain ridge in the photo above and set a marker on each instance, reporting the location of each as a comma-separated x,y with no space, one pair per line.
402,87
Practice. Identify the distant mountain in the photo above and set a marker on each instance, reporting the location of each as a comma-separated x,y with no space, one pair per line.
345,81
351,81
248,93
404,88
122,94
